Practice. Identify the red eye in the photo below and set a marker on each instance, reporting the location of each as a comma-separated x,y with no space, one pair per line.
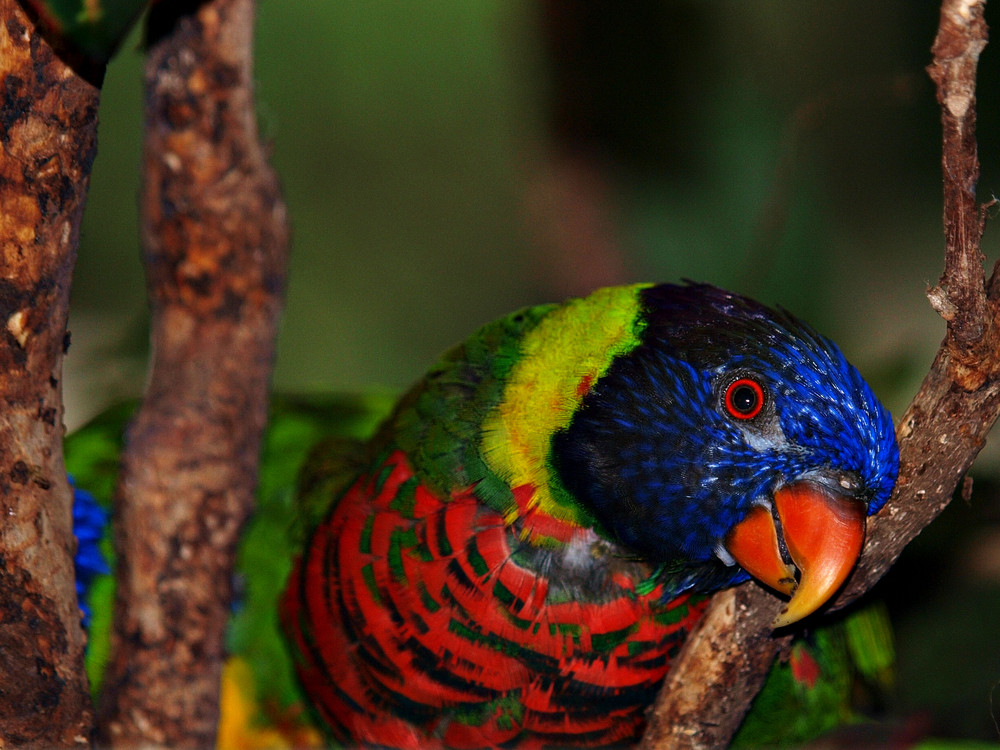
744,398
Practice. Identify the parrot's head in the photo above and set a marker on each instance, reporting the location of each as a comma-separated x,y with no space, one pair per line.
732,442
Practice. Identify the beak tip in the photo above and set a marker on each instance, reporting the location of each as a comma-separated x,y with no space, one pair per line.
824,534
788,617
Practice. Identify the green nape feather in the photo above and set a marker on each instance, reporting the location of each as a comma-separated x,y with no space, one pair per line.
485,414
441,432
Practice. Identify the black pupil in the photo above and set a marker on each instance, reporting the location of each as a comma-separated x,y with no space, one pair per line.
744,399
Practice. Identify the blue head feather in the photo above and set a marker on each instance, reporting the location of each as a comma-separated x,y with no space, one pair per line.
668,472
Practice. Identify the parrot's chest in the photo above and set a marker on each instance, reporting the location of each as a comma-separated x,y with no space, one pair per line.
434,615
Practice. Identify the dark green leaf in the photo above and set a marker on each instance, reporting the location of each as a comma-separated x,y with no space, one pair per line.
91,28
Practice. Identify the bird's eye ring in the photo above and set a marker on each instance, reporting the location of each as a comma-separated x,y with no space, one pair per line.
744,398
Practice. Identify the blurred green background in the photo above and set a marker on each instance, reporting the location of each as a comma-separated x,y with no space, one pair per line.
447,161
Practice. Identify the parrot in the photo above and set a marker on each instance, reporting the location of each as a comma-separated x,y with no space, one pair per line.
516,556
513,552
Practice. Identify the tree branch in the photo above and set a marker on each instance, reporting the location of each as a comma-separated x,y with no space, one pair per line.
48,137
940,434
215,242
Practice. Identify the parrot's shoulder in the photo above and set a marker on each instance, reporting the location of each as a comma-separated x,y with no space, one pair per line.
485,415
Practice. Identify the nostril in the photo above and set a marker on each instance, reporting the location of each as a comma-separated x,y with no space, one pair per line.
845,483
849,482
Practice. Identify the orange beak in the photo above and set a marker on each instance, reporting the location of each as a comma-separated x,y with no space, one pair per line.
822,533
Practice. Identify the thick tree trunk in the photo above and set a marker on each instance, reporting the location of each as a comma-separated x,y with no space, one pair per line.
215,241
48,137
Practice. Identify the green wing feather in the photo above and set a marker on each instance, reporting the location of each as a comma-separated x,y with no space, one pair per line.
830,675
267,547
91,455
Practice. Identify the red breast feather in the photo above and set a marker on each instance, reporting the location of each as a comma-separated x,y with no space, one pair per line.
419,623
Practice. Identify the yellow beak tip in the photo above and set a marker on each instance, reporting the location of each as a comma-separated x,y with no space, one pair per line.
789,616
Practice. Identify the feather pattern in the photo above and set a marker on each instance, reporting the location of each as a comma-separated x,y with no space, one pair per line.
451,629
532,531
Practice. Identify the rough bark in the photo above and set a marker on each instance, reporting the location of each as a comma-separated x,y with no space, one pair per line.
940,434
724,660
215,241
48,138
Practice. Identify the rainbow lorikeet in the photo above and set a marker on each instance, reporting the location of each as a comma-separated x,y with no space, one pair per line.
517,555
569,568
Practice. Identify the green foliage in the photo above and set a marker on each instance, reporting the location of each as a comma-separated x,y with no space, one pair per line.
92,28
817,687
